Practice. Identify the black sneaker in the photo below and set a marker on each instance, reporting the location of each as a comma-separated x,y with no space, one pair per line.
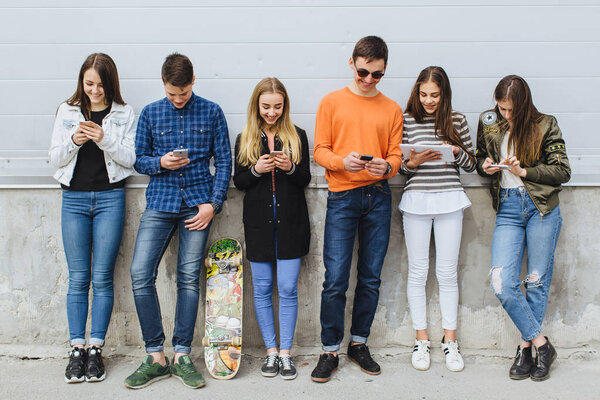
287,370
545,356
95,366
270,367
75,371
521,368
328,363
359,354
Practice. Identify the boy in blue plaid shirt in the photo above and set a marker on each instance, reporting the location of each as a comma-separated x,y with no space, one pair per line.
175,141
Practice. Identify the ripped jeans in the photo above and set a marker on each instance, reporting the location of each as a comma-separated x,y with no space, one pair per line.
519,225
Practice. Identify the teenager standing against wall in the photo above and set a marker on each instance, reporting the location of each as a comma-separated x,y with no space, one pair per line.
93,148
524,153
357,136
272,166
434,198
182,195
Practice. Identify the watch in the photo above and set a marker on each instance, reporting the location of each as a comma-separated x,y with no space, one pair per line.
388,170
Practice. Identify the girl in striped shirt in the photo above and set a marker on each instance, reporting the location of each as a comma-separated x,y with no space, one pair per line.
434,196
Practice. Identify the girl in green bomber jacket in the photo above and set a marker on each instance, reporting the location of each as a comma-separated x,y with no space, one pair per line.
524,153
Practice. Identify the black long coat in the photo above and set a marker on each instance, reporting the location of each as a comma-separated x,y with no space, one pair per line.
293,228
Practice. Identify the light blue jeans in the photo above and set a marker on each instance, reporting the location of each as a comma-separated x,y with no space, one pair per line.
518,225
92,223
287,286
153,237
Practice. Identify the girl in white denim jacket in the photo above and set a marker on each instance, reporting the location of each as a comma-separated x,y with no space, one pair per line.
93,147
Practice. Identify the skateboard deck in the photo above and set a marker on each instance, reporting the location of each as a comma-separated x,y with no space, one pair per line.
222,339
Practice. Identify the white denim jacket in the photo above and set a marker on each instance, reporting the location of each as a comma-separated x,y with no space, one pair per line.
118,142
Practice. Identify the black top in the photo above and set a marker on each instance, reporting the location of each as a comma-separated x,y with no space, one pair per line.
90,170
293,226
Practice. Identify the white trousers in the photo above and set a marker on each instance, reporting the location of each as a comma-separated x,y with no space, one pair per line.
447,229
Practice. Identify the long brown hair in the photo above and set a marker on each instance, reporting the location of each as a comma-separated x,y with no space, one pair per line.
525,138
444,126
106,68
250,139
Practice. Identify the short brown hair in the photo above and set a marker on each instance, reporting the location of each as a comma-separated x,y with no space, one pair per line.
177,70
371,48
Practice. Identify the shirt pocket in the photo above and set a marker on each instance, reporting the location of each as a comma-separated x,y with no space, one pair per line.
70,125
164,138
201,140
117,127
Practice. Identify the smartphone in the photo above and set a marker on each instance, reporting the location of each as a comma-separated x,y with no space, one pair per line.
181,153
275,153
87,123
366,157
503,166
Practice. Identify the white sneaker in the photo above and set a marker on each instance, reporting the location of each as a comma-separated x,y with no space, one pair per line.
454,361
420,356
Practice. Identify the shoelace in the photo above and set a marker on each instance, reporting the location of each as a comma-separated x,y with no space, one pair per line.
422,349
271,359
188,368
453,350
143,368
286,362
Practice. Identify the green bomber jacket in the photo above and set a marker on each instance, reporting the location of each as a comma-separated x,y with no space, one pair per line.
544,178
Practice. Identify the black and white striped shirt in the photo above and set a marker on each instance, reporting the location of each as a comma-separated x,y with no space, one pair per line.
436,176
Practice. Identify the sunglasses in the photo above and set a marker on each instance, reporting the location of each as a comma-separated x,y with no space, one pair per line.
363,73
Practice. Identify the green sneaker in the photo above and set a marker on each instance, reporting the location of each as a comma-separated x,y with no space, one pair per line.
186,372
147,373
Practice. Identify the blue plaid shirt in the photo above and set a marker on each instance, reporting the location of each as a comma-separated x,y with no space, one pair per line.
200,127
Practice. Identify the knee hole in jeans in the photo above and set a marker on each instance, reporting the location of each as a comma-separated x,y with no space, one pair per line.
533,280
497,279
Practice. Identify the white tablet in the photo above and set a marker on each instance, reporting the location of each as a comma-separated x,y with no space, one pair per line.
445,149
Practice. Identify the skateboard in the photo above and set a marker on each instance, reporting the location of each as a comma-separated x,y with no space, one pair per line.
222,339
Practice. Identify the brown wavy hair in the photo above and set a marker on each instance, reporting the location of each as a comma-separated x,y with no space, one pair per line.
444,126
525,138
107,69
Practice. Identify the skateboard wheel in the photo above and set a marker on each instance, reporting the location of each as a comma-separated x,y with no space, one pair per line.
207,262
237,261
236,341
206,341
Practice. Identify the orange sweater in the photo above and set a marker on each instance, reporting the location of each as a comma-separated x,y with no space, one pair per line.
348,122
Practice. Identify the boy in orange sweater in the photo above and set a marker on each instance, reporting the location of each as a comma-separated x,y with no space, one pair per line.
357,136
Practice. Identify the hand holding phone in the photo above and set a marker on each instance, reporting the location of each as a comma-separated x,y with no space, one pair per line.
275,153
183,153
91,130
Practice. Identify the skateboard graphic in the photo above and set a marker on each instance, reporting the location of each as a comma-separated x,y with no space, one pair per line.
222,339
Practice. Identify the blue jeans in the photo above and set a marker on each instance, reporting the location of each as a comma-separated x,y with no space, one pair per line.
92,222
153,237
367,209
518,225
287,287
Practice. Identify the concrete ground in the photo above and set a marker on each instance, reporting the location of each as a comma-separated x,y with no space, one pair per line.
574,376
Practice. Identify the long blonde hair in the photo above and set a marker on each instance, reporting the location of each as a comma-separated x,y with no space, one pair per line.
250,140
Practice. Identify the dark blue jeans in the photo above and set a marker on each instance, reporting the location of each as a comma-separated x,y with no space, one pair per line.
367,210
153,237
92,223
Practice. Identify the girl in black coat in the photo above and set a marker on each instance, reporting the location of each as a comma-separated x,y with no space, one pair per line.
272,165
